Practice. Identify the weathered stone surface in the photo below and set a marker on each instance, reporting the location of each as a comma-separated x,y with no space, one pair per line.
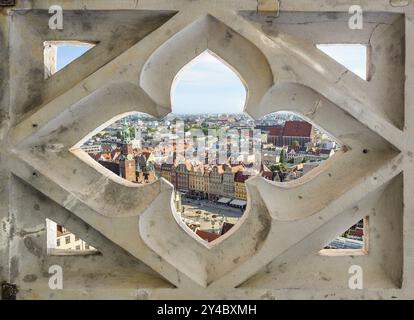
273,253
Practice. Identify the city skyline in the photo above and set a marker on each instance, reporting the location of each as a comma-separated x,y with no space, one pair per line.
210,194
201,88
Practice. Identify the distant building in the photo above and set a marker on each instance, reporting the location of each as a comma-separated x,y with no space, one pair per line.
173,176
326,153
300,131
215,183
228,182
198,182
157,170
68,241
91,148
127,169
207,236
126,148
265,172
106,148
270,157
275,136
182,176
226,228
166,171
145,170
112,166
120,161
328,145
240,191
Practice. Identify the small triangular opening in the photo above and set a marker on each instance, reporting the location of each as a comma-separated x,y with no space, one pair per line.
352,241
351,56
59,54
61,241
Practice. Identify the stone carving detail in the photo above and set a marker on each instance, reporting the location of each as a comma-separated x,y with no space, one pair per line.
275,246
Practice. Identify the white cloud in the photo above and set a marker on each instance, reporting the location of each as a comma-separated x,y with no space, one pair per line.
207,85
206,69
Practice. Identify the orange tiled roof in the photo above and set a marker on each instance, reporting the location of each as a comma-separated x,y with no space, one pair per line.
208,236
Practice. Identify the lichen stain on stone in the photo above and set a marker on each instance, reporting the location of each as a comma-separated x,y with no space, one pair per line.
11,231
270,31
86,26
268,296
228,37
325,278
330,15
24,233
14,267
32,247
34,95
262,234
30,278
282,267
60,130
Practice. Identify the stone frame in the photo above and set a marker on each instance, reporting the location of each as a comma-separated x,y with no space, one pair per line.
273,253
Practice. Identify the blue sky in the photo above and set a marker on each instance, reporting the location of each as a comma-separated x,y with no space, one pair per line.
206,85
353,57
68,53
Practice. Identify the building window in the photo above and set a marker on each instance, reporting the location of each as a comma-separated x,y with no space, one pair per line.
66,242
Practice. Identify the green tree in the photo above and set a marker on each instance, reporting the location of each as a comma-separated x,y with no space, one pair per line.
283,156
278,167
274,167
131,132
295,144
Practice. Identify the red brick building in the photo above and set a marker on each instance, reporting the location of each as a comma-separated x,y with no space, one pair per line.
128,169
300,131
